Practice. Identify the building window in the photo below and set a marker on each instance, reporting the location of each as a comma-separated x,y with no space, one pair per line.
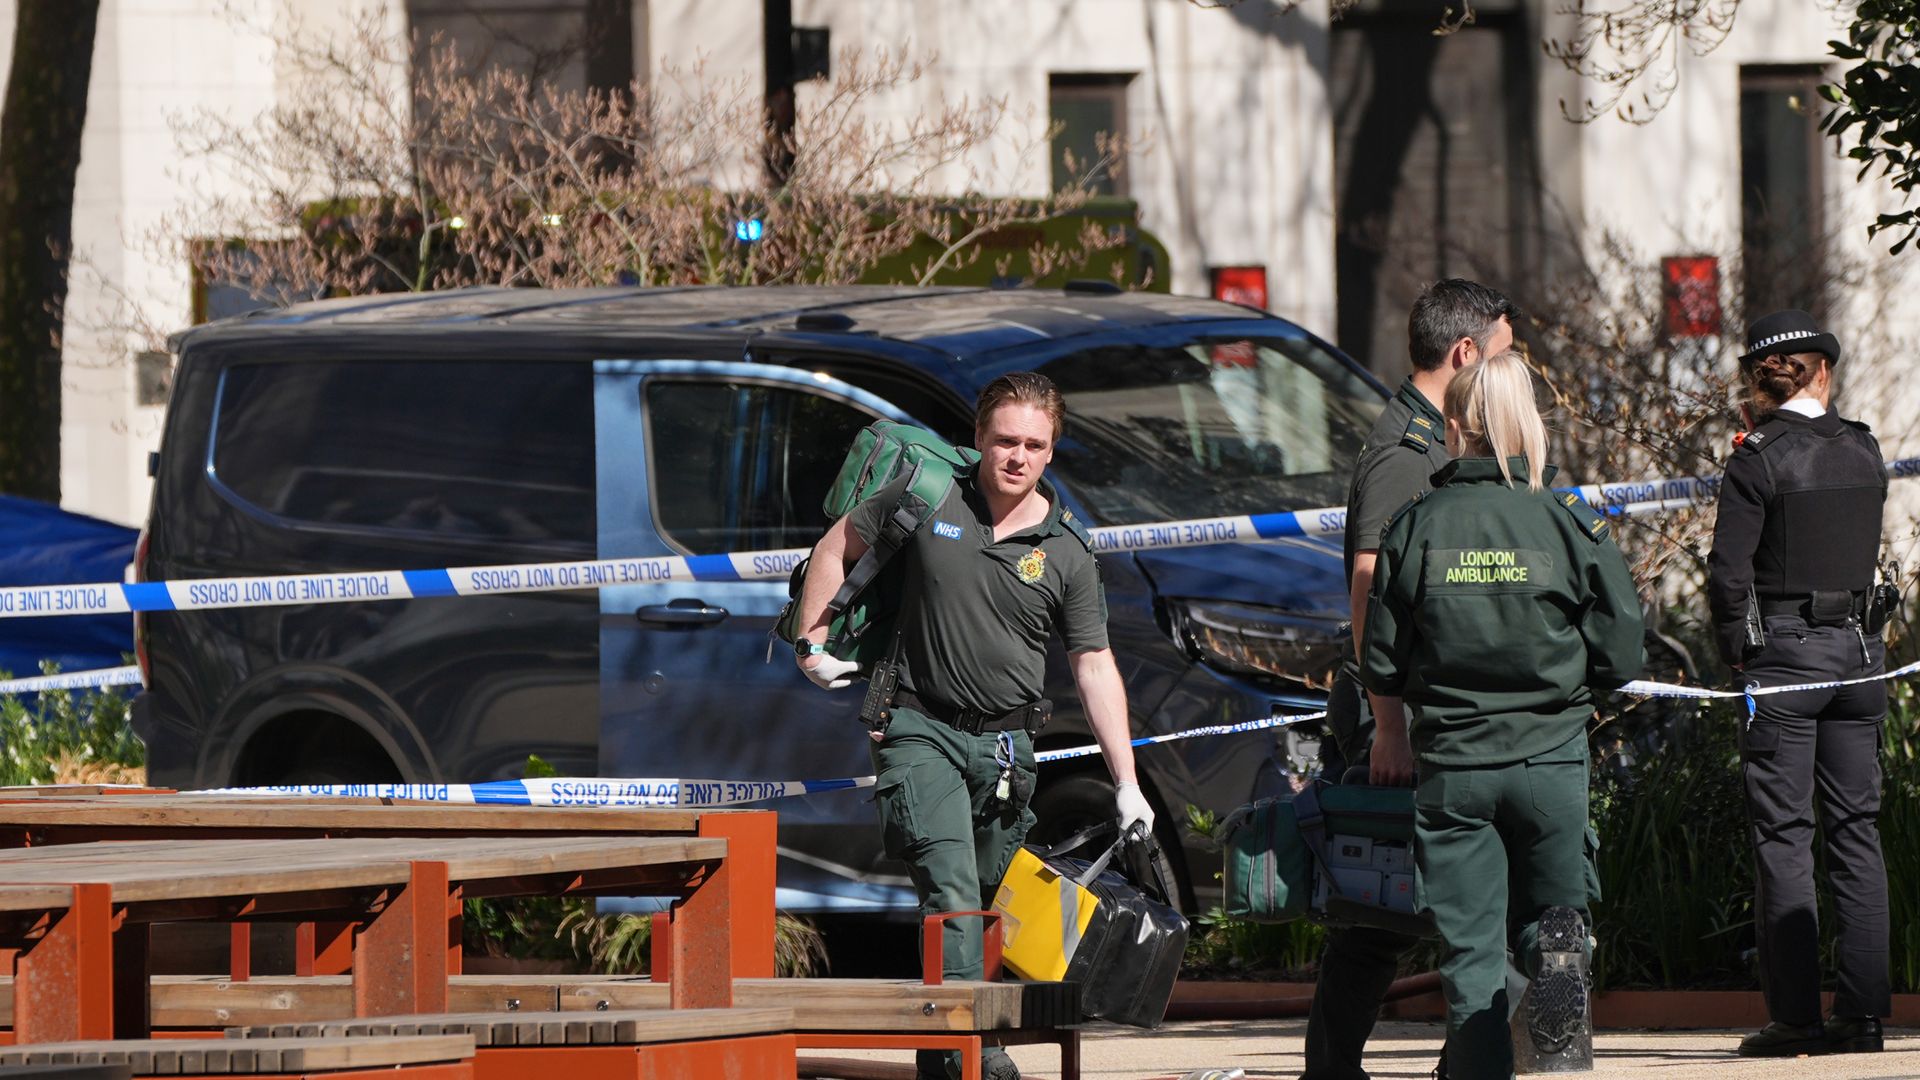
1781,188
565,45
152,377
1082,108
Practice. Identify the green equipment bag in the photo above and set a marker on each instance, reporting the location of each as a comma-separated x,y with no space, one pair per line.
1340,854
1267,876
868,601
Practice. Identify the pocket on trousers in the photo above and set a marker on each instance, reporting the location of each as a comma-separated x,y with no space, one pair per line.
1593,866
1759,737
1443,793
900,830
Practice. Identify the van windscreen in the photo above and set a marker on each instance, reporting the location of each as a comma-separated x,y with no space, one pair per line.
491,451
1214,427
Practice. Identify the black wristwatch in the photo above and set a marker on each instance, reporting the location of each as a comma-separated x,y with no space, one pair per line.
803,648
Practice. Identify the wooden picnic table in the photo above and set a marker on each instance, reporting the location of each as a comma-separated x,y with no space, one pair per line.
48,817
77,914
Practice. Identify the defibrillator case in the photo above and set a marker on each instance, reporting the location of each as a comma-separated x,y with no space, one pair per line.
1338,854
1096,924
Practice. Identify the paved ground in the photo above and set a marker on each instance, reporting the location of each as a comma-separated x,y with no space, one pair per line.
1403,1051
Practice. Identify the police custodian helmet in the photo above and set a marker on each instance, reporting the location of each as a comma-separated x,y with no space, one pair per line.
1788,332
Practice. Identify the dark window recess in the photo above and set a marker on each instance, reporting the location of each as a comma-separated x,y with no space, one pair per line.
1781,188
743,466
1084,107
152,377
494,451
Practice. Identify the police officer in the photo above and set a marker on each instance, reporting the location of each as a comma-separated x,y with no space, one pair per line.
1453,324
1794,547
1500,613
1001,567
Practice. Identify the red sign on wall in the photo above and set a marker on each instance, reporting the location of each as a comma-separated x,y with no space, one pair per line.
1692,286
1245,285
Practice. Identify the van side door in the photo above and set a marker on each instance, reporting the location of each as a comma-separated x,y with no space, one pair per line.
702,458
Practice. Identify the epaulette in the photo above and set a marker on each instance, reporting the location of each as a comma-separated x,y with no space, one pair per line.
1419,434
1757,440
1073,526
1591,521
1857,424
1402,512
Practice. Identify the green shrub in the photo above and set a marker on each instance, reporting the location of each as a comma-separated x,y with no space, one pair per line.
69,736
1676,874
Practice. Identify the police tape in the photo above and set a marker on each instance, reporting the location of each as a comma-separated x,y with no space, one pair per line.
1641,688
205,594
75,680
702,794
707,794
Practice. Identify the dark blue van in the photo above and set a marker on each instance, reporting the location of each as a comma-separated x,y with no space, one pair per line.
487,426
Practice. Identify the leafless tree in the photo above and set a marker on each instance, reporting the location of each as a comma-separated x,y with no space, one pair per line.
391,175
1631,49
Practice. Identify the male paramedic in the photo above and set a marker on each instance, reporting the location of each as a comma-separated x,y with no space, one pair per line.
1453,323
996,570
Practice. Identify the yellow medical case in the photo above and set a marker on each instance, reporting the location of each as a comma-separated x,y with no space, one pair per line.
1043,917
1090,923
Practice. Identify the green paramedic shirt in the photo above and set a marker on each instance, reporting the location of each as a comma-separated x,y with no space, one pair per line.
1498,615
979,613
1406,446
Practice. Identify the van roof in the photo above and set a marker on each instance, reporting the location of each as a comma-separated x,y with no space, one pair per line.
957,321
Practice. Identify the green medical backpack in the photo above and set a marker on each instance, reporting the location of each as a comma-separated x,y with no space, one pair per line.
865,607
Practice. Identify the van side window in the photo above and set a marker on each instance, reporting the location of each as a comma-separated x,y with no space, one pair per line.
501,452
742,466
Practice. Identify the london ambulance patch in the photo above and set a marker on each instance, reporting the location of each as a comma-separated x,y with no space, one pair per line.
1031,566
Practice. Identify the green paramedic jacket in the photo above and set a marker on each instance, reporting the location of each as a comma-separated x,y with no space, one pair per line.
1499,615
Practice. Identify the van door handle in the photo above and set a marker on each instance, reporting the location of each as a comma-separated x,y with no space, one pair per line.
682,612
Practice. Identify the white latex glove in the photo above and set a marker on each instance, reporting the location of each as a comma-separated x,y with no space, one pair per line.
1132,806
829,672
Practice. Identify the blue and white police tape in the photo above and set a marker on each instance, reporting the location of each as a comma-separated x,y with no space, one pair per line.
73,680
654,792
1641,688
1645,496
704,794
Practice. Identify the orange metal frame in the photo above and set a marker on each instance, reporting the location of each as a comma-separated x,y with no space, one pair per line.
82,973
761,1057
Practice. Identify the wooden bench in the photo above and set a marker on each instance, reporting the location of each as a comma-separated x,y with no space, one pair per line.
81,946
419,1057
36,817
827,1013
625,1045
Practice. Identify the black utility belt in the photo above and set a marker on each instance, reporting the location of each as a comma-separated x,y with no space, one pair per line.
1826,607
1029,718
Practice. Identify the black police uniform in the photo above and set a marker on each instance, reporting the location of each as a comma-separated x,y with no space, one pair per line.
1799,523
1405,447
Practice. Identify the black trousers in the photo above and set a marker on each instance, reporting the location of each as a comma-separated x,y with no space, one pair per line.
1797,745
1360,962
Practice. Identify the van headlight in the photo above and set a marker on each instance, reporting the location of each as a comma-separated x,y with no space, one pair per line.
1248,639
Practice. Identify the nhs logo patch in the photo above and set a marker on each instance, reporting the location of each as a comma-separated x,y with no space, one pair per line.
947,530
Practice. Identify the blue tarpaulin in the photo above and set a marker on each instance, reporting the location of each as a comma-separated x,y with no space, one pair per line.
45,545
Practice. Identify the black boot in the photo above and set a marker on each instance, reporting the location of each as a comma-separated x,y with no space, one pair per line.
1785,1040
1559,1036
1855,1035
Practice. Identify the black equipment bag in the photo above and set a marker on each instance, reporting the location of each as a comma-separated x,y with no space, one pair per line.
1129,955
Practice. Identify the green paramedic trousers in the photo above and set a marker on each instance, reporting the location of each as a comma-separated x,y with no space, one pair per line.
1524,824
939,815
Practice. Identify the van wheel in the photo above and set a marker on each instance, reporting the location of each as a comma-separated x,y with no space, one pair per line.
306,748
1082,800
1070,804
341,771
